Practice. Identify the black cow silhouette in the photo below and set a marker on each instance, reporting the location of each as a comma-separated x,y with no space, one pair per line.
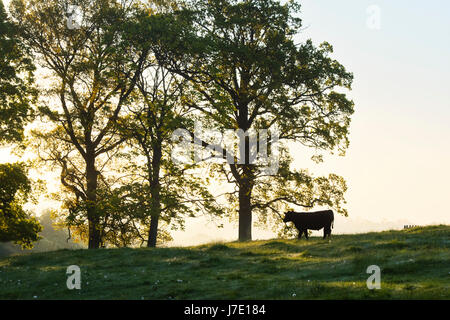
311,220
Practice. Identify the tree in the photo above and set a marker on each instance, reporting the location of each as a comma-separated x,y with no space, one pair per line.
52,238
172,193
15,223
94,71
16,95
16,79
250,75
156,190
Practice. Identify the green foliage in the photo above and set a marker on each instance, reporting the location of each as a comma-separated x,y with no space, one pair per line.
163,189
16,79
93,71
273,269
134,74
123,214
52,238
15,223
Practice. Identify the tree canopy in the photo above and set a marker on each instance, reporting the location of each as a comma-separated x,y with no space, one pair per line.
94,72
16,224
122,81
249,74
16,79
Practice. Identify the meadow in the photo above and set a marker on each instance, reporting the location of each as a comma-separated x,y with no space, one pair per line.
415,264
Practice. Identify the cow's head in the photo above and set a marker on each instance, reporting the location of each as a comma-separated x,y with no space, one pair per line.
288,216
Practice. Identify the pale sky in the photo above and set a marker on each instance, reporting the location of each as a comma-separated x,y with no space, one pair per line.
397,166
398,162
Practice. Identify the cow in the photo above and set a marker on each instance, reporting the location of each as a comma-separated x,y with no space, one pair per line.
311,220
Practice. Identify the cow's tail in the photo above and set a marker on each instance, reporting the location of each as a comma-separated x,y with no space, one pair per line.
332,220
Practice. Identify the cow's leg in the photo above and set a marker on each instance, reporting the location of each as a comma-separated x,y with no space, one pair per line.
300,233
306,234
326,231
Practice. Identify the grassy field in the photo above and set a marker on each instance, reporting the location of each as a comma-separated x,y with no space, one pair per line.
415,264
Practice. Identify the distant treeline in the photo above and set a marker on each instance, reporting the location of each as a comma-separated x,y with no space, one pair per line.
52,239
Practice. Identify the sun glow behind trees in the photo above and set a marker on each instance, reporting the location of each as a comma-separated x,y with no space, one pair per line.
409,152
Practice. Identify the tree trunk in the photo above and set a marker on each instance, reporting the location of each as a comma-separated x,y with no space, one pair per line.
155,191
93,219
245,184
245,212
153,233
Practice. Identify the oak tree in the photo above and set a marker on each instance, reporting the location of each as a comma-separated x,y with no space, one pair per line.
16,81
250,74
93,71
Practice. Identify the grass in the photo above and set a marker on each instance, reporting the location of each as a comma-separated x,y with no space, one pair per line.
415,264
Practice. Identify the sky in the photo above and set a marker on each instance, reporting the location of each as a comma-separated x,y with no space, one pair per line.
397,166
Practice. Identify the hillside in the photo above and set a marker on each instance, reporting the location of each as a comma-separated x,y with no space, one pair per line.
415,264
